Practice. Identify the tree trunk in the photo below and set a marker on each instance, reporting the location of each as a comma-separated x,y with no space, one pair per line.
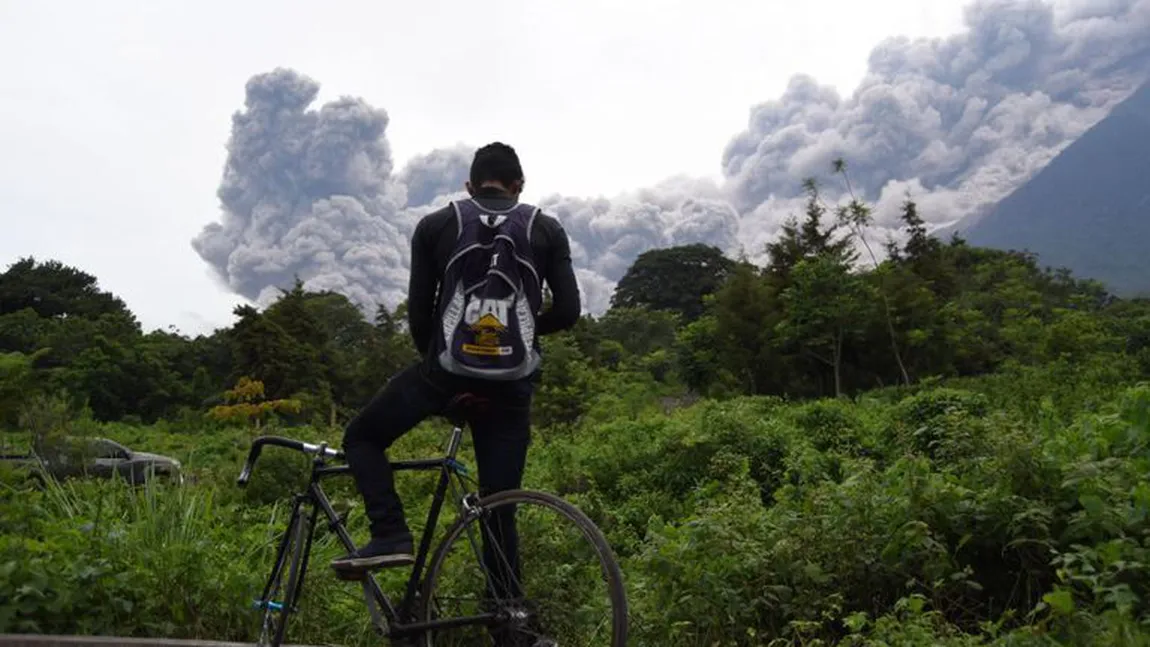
894,342
886,308
838,360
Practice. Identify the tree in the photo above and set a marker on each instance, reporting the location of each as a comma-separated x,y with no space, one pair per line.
745,311
809,239
701,359
920,247
387,322
53,289
566,385
295,312
201,365
674,279
246,403
857,216
264,351
22,331
639,331
17,385
359,356
826,306
120,378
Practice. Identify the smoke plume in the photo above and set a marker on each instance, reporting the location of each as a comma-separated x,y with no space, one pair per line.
957,122
310,193
964,119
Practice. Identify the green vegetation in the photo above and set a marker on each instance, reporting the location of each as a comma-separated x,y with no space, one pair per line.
947,447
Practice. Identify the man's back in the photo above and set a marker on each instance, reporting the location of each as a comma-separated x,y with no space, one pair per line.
434,242
501,431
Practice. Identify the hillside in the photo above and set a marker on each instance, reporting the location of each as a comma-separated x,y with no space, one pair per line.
1089,209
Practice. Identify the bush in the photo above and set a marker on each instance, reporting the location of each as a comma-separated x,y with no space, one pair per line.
155,561
829,425
279,474
946,517
943,424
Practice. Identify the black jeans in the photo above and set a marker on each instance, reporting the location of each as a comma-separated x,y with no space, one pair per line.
500,436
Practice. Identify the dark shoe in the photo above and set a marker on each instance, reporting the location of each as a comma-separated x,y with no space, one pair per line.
380,552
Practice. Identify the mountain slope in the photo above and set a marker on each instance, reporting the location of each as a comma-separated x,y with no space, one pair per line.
1089,208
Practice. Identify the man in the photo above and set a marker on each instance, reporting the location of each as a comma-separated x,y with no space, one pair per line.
472,359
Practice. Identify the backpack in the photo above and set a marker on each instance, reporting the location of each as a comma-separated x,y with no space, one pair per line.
490,295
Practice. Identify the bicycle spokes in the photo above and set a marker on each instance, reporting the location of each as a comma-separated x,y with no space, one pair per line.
536,569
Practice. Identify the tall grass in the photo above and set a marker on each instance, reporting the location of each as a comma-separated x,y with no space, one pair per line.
943,516
103,557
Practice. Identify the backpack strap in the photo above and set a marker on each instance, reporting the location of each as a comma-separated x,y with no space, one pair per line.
491,293
469,212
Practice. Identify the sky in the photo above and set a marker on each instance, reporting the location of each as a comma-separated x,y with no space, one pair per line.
115,116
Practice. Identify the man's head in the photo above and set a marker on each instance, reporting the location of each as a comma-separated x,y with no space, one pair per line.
496,164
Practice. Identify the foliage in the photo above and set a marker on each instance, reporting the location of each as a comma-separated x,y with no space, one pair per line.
17,384
947,446
827,307
246,404
53,290
936,517
675,279
813,323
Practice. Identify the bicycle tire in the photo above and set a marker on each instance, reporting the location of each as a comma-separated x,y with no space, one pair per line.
591,532
293,551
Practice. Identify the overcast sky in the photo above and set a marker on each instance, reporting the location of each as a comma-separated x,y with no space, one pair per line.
114,115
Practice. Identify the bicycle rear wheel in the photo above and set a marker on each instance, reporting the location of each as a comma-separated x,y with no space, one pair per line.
278,600
562,583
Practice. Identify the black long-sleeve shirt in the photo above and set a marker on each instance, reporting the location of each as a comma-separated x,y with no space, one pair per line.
434,241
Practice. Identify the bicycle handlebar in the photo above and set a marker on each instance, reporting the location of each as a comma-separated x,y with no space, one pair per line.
279,441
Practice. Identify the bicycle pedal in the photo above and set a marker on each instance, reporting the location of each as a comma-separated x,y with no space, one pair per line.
358,574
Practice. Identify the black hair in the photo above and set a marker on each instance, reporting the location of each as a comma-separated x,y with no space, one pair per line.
496,161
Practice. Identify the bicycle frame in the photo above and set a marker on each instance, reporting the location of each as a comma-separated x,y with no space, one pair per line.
319,502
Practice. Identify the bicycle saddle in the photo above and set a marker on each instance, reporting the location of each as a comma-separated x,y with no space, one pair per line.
463,404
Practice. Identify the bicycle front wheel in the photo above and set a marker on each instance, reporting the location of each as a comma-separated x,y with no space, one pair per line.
537,562
279,597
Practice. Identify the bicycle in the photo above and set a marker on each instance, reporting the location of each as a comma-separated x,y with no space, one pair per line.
418,614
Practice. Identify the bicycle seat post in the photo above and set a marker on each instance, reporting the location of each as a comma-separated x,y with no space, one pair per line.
456,439
457,413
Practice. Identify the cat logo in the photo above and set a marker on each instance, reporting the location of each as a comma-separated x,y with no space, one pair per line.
485,318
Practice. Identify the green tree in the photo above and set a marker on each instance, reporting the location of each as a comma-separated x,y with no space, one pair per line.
17,385
920,248
701,358
22,331
826,307
386,321
118,378
264,351
640,331
359,356
857,217
674,278
810,238
566,383
746,310
53,289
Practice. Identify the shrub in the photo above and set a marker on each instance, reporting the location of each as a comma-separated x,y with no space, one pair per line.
943,424
829,425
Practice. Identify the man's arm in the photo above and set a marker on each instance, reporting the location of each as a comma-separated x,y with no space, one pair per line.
560,277
421,287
